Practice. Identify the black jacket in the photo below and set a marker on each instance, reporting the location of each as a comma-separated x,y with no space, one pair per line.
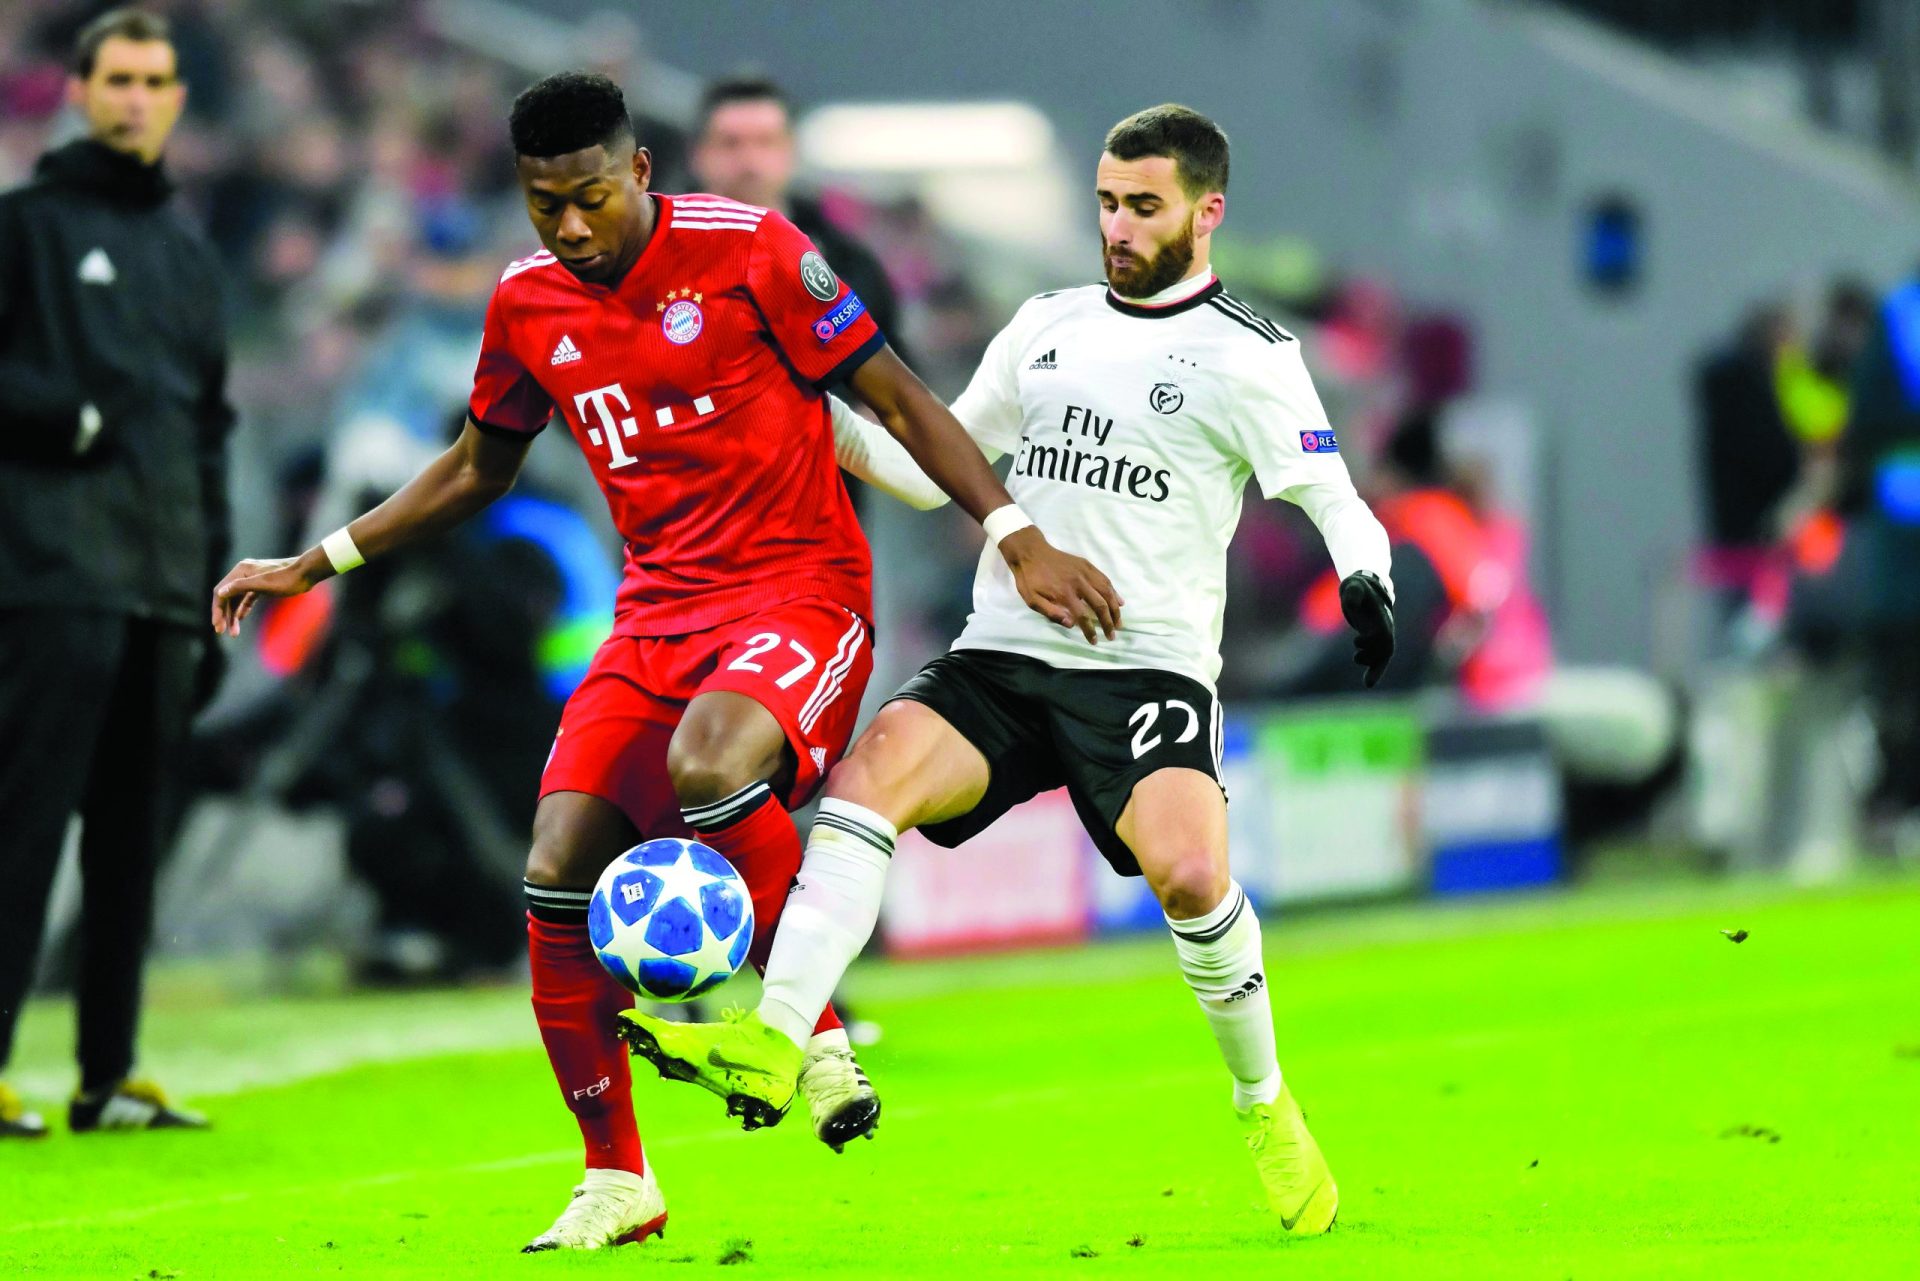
109,296
1749,460
854,263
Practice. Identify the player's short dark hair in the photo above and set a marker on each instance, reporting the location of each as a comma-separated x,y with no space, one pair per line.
127,24
728,90
1196,145
567,112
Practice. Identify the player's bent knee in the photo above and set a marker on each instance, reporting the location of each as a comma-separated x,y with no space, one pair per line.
856,783
551,862
725,743
702,775
861,778
1192,883
564,858
911,766
547,860
575,836
886,774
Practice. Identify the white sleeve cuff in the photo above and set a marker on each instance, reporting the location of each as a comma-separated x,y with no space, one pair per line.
1354,536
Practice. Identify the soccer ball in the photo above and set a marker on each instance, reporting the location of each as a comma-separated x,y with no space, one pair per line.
670,919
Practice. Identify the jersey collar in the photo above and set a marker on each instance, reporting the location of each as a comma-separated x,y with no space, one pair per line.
662,215
1160,310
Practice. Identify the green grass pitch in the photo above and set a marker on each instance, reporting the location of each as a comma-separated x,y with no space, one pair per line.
1590,1085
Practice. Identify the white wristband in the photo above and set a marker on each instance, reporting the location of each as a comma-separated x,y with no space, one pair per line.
341,552
1002,521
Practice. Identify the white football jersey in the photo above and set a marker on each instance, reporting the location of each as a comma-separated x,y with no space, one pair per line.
1134,429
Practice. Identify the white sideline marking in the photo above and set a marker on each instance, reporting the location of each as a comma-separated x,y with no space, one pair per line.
285,1058
304,1189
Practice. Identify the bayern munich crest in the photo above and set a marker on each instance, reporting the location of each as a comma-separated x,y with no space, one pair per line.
682,322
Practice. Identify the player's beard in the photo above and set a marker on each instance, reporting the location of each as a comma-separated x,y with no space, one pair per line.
1148,276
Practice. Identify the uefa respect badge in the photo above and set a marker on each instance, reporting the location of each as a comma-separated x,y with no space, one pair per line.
831,325
1319,442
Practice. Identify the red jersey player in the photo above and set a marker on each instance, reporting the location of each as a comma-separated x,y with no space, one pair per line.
684,341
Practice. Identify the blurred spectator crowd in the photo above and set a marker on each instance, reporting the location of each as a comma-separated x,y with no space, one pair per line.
1809,459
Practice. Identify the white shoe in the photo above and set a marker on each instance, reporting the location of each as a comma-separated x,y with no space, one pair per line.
610,1207
839,1097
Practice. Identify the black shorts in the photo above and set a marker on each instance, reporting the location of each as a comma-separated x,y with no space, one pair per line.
1098,732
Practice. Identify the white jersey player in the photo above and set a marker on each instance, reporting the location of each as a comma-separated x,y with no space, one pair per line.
1136,412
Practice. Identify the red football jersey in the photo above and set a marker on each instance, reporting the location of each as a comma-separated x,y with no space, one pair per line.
694,389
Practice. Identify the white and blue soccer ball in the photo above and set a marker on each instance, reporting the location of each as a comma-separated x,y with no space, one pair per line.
670,919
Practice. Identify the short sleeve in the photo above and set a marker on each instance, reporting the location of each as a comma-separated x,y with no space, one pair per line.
817,321
990,406
1282,428
505,397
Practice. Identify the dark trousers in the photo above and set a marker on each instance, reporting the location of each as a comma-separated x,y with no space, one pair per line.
94,713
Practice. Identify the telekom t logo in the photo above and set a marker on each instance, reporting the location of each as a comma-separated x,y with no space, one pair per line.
609,431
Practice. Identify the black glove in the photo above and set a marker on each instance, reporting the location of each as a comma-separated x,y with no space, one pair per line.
1364,601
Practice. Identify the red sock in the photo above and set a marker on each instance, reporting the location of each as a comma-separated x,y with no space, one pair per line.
575,1002
758,837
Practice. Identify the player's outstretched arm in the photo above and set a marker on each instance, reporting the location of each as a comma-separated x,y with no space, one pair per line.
865,450
1363,558
1055,584
476,469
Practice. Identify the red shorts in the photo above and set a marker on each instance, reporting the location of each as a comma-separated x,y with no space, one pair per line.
806,661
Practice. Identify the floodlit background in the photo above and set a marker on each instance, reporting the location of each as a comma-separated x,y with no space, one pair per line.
1612,303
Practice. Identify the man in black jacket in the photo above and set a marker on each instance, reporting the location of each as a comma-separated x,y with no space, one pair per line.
113,530
743,150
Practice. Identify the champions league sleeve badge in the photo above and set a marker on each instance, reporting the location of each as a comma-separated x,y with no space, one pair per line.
818,277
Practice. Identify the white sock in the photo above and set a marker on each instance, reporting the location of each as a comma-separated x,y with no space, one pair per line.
829,916
1220,956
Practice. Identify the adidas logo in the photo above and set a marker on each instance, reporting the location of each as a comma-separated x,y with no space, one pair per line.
1045,362
819,755
1248,988
566,352
97,269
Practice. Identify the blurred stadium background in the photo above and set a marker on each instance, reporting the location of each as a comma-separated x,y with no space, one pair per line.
1612,301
